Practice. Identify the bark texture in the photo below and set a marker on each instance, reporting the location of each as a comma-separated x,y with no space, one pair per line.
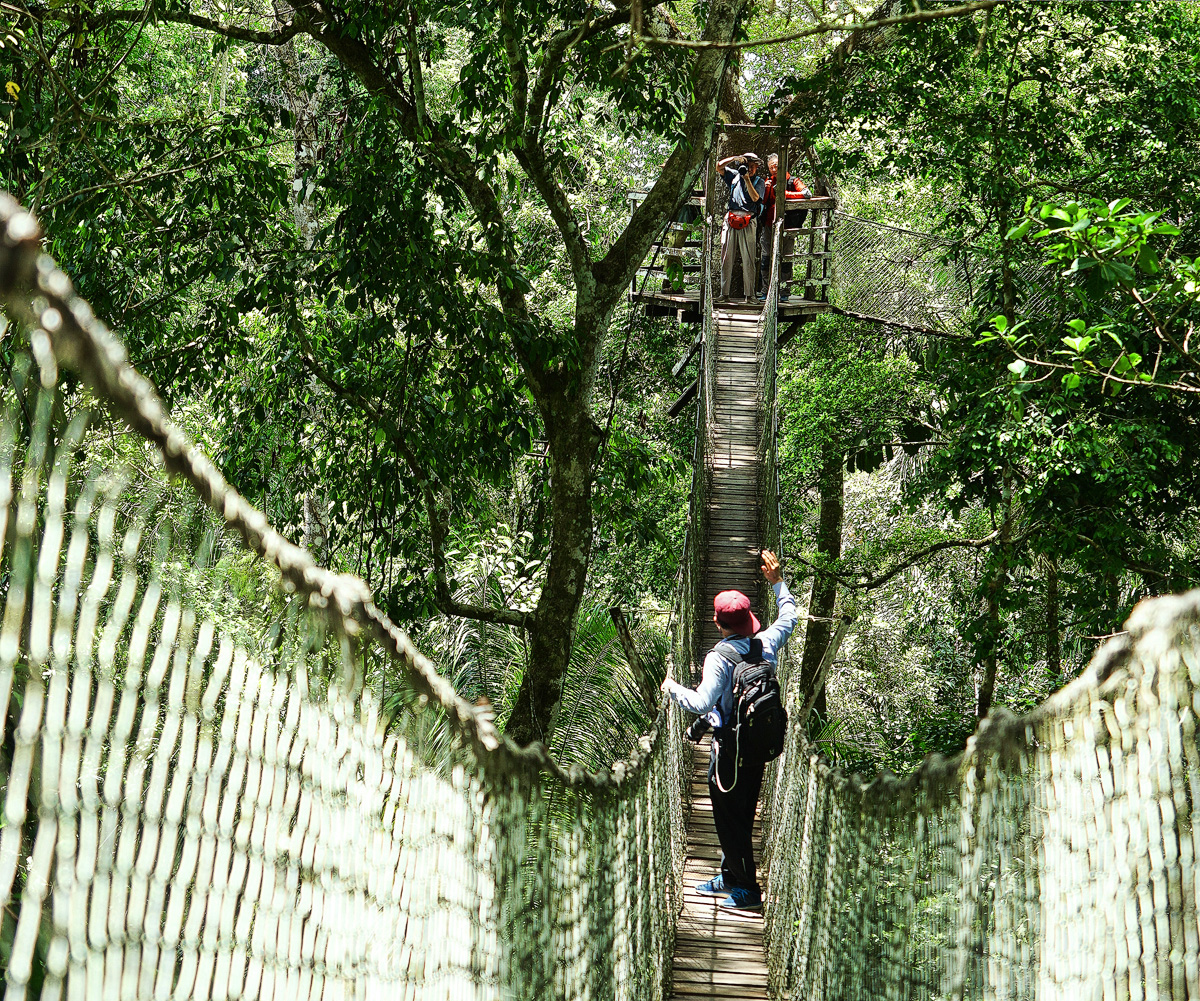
989,662
824,589
1053,626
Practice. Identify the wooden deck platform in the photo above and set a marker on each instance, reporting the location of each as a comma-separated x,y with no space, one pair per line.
718,953
689,303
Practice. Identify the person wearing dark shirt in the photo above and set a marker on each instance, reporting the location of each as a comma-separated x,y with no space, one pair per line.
739,229
794,189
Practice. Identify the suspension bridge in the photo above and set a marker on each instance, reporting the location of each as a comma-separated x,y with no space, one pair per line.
199,799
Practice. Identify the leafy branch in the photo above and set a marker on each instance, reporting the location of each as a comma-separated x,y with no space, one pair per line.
1107,251
430,488
870,583
827,27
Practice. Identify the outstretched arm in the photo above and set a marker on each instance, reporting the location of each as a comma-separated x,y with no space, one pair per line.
708,694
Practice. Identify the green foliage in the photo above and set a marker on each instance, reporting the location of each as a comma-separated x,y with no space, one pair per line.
844,388
1059,141
1138,301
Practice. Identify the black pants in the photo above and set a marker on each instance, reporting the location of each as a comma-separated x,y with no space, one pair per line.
733,812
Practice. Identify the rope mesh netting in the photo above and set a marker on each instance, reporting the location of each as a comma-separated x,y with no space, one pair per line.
901,276
202,797
1054,858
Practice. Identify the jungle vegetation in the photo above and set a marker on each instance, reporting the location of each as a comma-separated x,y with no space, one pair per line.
376,258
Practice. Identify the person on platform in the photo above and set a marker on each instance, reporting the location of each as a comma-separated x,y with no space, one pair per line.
734,784
794,190
739,229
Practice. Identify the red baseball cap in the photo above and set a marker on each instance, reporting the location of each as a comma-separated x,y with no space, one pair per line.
733,612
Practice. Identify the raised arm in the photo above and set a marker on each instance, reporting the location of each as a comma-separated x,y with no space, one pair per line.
777,633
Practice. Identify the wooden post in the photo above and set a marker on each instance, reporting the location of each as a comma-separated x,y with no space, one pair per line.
646,685
781,177
780,201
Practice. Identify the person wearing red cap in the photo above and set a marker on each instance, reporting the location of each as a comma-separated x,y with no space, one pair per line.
734,785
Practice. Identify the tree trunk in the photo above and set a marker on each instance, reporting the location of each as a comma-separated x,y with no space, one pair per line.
305,106
1053,634
824,589
561,375
985,672
574,440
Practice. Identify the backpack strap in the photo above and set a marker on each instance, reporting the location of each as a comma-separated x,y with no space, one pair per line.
727,651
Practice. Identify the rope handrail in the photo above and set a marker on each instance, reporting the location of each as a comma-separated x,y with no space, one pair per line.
220,771
87,345
932,237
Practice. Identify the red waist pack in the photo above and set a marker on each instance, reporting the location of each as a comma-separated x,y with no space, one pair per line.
739,220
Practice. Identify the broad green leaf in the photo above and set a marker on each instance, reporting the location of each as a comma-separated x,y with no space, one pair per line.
1019,231
1017,367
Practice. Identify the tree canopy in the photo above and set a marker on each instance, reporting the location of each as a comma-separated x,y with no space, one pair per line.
378,258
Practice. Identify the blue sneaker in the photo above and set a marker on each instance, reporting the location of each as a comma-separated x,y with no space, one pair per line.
762,296
743,898
715,887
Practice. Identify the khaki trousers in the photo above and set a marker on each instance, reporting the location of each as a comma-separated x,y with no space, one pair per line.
732,241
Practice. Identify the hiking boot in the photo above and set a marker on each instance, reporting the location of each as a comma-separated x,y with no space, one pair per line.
742,898
715,887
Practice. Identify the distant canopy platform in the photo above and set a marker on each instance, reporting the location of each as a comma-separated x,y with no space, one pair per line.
669,281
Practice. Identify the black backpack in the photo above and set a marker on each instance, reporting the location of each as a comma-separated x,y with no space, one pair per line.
759,723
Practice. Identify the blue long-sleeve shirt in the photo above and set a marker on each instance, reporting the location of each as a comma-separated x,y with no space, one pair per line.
716,684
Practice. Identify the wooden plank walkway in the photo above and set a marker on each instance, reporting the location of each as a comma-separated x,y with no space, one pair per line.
733,559
719,953
689,302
